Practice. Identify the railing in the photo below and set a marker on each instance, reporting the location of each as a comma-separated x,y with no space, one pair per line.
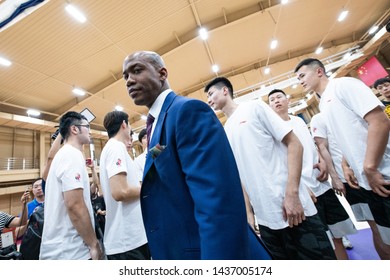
15,163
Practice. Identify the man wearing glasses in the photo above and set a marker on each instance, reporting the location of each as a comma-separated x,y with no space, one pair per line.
69,232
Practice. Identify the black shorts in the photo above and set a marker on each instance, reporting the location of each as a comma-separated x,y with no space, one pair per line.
307,241
140,253
334,215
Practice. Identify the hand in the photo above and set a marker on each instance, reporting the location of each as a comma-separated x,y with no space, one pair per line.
321,166
338,186
96,251
25,197
350,177
293,211
376,182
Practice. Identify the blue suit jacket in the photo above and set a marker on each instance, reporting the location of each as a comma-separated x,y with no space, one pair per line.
191,196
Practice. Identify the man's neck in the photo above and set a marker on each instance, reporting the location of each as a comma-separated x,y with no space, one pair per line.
322,85
229,108
40,199
73,141
284,116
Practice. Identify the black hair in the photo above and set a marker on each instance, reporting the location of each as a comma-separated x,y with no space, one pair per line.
70,118
113,121
381,81
37,179
220,82
310,62
141,134
275,91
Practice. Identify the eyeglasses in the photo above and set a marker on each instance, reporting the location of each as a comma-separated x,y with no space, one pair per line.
85,125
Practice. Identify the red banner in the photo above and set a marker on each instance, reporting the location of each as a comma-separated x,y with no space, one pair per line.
371,71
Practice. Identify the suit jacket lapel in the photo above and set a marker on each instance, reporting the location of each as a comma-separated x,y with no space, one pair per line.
158,129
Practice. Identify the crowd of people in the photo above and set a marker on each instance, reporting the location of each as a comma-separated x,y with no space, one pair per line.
256,188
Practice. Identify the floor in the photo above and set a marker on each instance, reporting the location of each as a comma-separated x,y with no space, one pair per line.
363,247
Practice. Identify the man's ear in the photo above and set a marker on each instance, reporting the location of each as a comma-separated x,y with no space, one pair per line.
163,73
74,129
320,72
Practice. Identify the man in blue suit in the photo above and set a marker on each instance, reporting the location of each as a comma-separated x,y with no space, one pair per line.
191,196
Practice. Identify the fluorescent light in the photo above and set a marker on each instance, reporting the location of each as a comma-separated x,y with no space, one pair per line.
203,33
347,56
32,112
215,68
76,13
274,44
343,15
5,62
319,50
373,29
329,73
118,108
284,2
267,70
78,91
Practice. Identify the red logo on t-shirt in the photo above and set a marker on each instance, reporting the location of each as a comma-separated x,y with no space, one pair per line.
77,177
314,129
118,162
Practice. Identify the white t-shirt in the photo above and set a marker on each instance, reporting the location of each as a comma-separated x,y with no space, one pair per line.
255,133
60,239
140,164
319,129
124,228
310,157
344,103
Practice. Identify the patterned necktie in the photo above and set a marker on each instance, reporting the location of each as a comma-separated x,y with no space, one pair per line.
149,125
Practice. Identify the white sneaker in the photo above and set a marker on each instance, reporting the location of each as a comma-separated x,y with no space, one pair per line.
347,244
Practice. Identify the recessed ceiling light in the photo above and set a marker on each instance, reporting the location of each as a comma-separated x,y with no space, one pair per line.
319,50
284,2
215,68
267,70
78,91
118,108
5,62
373,29
32,112
294,86
143,117
343,15
274,44
75,13
203,33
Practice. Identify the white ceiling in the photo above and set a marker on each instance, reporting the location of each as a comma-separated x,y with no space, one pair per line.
51,53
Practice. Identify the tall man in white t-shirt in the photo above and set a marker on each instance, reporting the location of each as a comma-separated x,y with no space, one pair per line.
269,160
361,129
124,235
69,232
328,205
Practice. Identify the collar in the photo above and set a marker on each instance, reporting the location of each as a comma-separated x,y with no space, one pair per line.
155,110
157,105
